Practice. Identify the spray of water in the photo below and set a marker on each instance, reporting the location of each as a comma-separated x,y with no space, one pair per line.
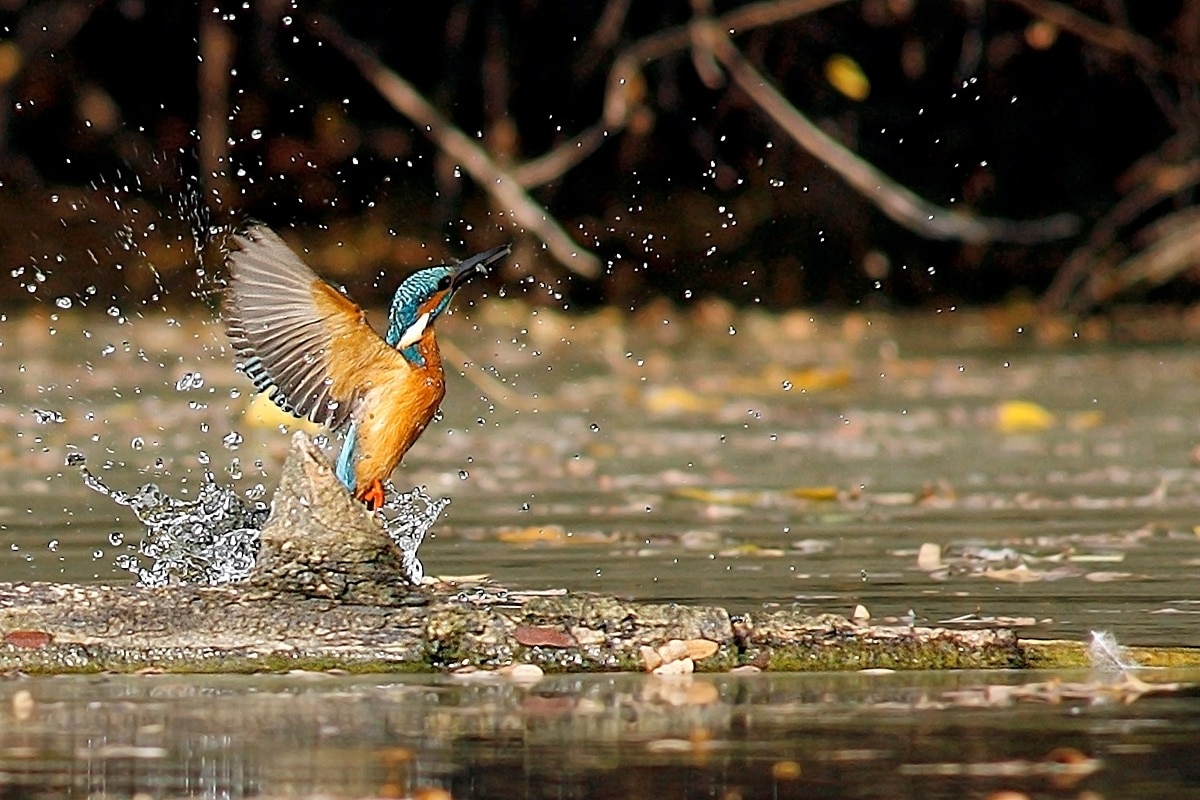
1107,657
213,539
407,517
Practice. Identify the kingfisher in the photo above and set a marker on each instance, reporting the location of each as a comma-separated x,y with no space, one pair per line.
295,335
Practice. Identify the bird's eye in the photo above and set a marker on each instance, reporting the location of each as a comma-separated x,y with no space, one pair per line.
443,283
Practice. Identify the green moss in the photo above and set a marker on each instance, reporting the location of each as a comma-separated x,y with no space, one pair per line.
850,655
1064,654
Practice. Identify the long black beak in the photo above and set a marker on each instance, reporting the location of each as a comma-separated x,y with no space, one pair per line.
478,264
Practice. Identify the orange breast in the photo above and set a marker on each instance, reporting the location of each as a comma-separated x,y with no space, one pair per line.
395,411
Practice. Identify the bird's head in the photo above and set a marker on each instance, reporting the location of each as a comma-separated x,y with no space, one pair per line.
425,294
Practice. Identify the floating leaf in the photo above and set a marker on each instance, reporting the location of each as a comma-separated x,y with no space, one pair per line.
751,550
1107,577
670,400
547,534
818,493
721,497
929,557
1016,416
808,379
845,75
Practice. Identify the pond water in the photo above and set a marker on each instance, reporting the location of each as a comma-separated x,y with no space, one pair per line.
706,457
593,736
950,468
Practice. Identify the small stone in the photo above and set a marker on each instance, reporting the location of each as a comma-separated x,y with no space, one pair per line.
860,613
30,639
22,705
673,650
526,674
543,636
699,649
929,557
745,669
682,666
650,658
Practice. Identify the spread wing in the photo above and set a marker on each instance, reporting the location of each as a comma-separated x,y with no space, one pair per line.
294,333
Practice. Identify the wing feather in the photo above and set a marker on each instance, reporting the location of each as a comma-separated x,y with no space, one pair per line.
293,333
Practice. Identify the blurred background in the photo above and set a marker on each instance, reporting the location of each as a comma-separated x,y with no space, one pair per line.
781,153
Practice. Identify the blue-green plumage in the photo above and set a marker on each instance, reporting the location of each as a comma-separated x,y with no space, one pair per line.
410,314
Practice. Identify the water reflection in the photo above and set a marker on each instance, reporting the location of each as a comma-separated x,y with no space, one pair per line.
580,737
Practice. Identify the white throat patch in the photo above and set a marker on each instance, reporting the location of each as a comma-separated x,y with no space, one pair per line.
413,334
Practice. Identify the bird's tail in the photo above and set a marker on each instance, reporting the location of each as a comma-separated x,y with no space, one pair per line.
346,459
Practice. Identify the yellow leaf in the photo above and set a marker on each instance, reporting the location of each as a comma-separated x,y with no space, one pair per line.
676,400
821,493
1016,416
845,75
263,412
550,534
751,550
808,379
720,497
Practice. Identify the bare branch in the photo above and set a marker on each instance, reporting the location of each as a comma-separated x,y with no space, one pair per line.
1095,32
216,56
556,162
505,190
625,83
896,201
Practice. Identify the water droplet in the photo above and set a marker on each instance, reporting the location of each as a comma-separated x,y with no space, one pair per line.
463,474
190,380
63,302
787,386
116,538
97,554
732,331
52,545
137,443
594,427
47,416
231,440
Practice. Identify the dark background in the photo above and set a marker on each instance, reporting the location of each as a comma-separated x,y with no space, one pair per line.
984,106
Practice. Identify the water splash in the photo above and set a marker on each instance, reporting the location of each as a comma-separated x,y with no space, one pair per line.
211,540
407,517
215,538
1107,657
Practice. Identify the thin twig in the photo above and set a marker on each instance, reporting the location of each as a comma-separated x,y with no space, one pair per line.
1091,30
896,201
1163,182
216,56
558,160
625,82
493,179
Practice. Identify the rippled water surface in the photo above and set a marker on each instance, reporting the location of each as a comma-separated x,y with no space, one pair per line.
755,736
707,456
952,468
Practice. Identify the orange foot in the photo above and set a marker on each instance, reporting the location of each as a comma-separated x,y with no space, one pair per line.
371,494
